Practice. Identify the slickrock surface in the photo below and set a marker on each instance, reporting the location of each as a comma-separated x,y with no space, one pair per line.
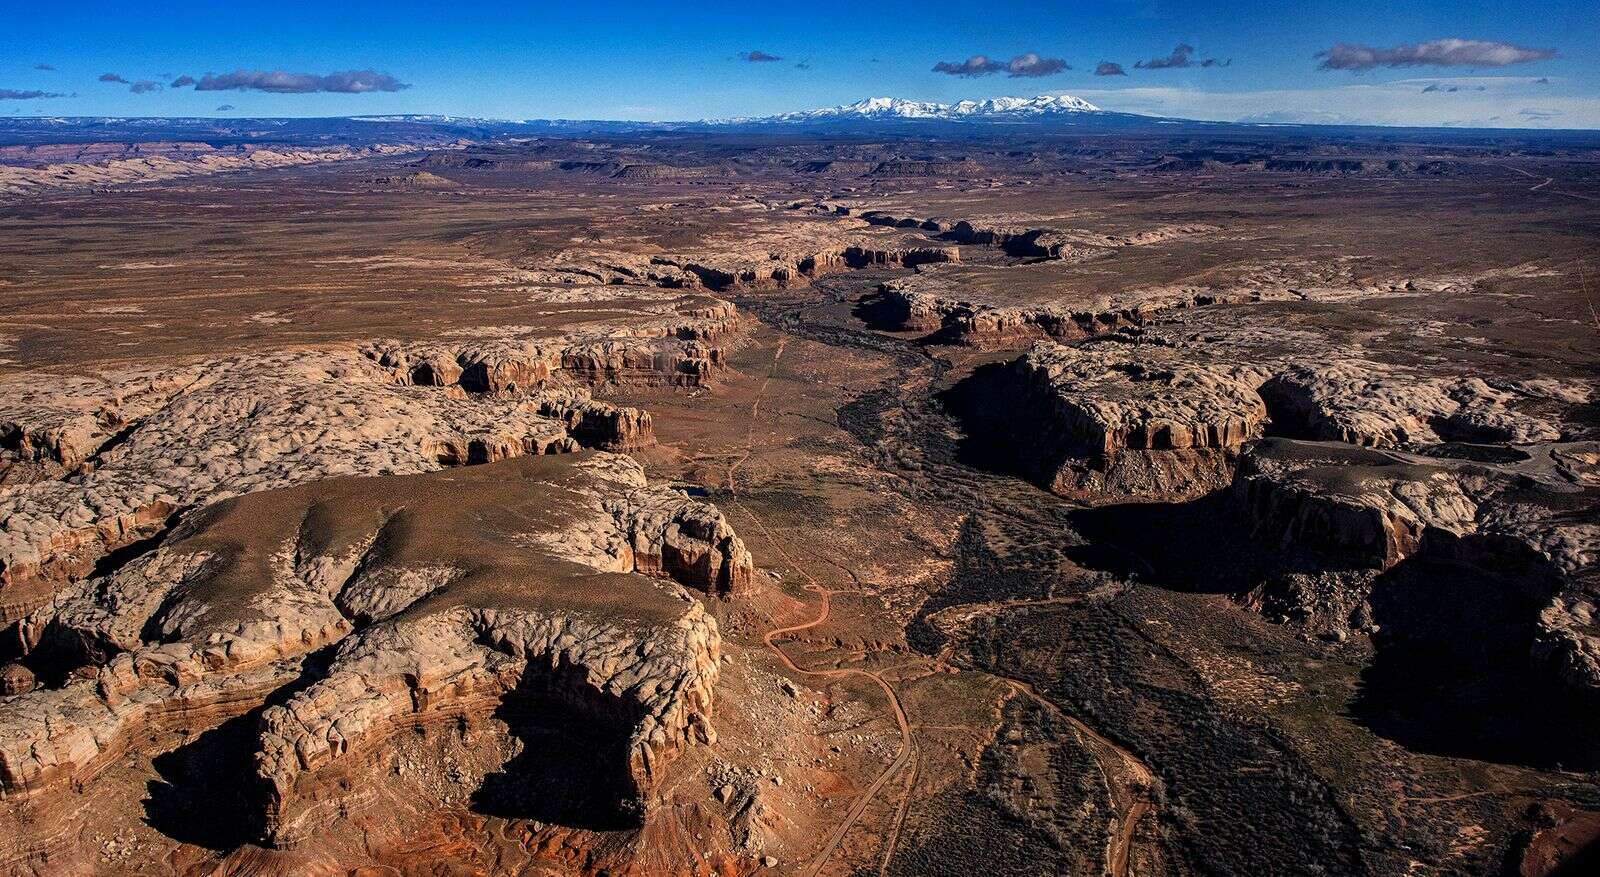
137,447
1372,405
17,182
448,590
804,248
1103,421
1156,418
1374,510
683,350
1019,235
1011,307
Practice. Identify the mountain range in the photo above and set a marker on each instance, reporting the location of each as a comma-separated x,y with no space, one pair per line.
888,116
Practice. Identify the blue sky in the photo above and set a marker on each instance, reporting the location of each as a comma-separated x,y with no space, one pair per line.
663,60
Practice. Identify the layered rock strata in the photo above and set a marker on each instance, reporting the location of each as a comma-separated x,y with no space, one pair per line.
1115,419
442,593
1111,420
104,462
794,263
1026,240
1369,509
1364,403
21,181
933,301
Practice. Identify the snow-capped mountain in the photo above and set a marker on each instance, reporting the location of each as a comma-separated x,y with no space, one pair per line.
994,109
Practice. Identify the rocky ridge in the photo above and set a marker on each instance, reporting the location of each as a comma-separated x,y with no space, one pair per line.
722,271
431,627
1104,405
21,181
95,463
1370,511
932,301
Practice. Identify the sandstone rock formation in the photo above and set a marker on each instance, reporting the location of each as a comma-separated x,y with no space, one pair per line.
1366,509
1023,237
104,462
943,303
1110,420
1154,418
414,180
1373,405
21,181
444,591
799,250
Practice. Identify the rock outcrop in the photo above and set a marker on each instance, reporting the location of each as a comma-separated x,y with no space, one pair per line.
1363,509
1105,421
1372,405
746,271
1150,418
1023,238
685,349
442,592
97,171
790,252
103,462
937,301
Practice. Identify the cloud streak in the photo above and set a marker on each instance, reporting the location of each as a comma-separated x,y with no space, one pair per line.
1026,65
1030,65
183,81
1181,57
279,82
43,67
1109,68
977,65
113,77
756,56
144,86
14,94
1434,53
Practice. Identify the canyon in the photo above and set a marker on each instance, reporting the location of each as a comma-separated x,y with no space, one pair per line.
670,502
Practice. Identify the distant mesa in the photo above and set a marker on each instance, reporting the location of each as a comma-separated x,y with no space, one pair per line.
417,180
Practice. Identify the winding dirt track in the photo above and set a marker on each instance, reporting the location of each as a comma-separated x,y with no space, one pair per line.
907,741
1127,778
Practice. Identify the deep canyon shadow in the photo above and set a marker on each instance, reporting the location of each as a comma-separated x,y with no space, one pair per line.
573,768
1452,675
208,793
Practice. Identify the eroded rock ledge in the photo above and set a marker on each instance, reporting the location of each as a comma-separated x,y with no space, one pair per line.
790,253
1370,510
442,593
1025,239
935,302
685,349
1117,419
1107,420
90,464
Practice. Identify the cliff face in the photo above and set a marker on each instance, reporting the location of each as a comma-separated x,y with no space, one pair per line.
788,254
1105,422
141,446
440,596
931,303
1357,482
1022,237
1370,510
1120,417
